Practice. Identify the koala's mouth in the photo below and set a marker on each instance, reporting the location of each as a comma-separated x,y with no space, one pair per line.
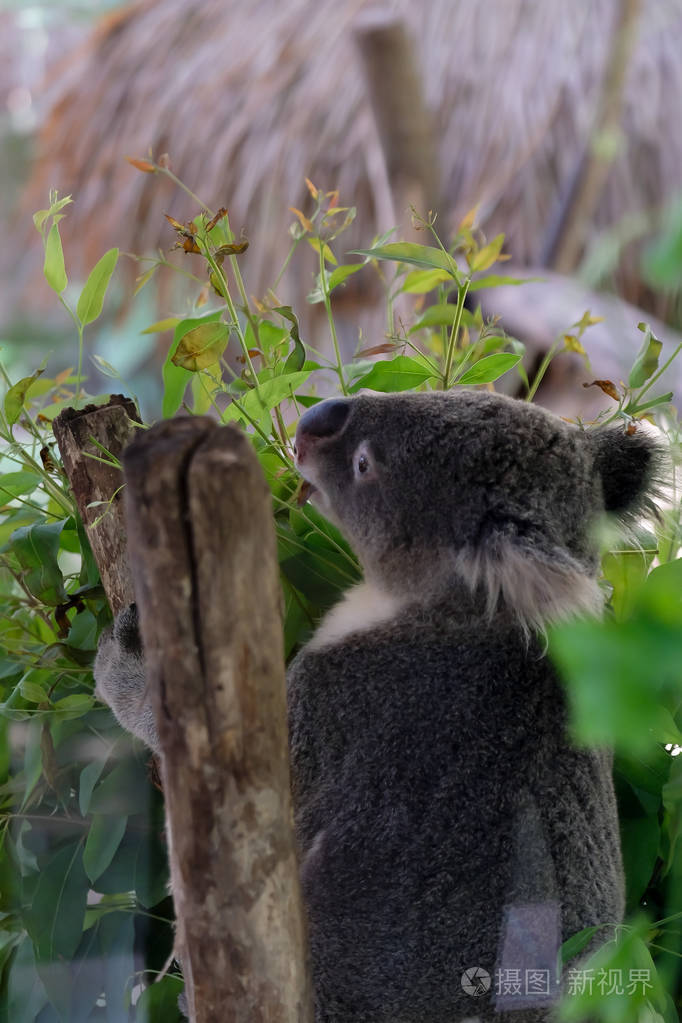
306,491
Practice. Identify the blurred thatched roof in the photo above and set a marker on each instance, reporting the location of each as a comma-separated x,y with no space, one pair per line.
250,98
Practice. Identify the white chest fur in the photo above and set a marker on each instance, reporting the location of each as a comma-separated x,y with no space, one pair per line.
363,607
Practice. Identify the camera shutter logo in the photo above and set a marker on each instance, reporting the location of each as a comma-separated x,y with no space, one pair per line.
476,981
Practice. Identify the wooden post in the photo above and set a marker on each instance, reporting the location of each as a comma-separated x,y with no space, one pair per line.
112,426
203,552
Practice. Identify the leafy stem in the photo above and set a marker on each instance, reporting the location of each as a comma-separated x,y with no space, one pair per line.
462,291
330,318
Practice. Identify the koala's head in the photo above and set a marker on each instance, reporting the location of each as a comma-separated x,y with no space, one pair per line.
431,489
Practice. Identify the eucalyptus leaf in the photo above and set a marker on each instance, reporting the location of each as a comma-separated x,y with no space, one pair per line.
36,548
489,369
53,267
116,939
399,374
175,378
424,256
420,282
296,359
201,346
443,315
89,777
54,918
103,840
269,394
159,1001
646,363
13,484
498,280
26,995
92,296
17,394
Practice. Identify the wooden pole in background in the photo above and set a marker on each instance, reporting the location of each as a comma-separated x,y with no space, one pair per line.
404,122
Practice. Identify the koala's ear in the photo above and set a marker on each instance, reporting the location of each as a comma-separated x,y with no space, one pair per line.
631,468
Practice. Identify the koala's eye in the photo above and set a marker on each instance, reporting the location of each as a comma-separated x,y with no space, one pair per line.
362,463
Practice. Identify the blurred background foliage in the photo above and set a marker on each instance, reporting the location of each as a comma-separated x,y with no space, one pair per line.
553,124
560,122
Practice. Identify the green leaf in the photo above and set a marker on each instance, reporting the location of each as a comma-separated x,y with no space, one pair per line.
269,335
615,671
486,256
626,571
140,862
106,368
84,978
33,758
175,379
576,943
53,267
89,777
341,274
663,399
25,992
57,204
13,484
92,296
116,938
32,691
39,218
420,282
639,842
74,706
323,249
160,1002
489,369
15,398
54,918
310,575
145,278
201,346
124,791
646,363
36,548
399,374
426,256
337,277
295,361
497,280
102,842
158,328
270,393
443,315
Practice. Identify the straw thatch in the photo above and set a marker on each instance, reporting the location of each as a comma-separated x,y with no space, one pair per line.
250,98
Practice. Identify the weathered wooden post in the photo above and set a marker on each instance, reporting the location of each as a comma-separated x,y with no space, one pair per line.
111,426
202,550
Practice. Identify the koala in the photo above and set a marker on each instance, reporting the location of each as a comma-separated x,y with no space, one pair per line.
450,835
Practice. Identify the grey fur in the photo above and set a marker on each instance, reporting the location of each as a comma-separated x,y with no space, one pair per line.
120,679
437,797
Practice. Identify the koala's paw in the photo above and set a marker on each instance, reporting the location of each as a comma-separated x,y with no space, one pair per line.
126,630
120,676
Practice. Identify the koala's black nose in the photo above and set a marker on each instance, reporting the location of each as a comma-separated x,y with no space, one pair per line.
324,419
